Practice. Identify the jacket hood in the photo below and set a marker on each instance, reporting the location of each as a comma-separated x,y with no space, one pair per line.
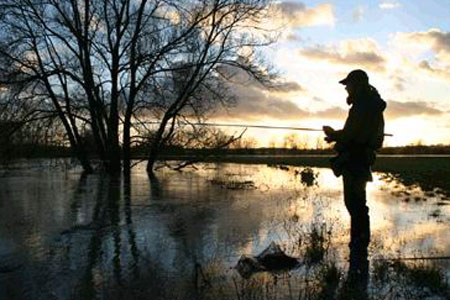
371,100
376,101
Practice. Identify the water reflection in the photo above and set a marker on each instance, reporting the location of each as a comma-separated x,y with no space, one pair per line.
66,235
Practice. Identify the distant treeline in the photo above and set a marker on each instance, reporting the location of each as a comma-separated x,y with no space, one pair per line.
418,149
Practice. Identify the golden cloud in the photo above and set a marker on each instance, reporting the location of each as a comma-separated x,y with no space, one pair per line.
281,18
298,15
287,87
398,82
434,39
434,71
397,109
255,107
358,53
254,103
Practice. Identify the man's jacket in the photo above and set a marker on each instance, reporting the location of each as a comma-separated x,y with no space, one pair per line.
362,135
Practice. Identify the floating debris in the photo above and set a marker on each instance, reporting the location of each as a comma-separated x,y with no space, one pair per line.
436,213
234,184
307,176
272,259
278,166
430,194
283,167
417,199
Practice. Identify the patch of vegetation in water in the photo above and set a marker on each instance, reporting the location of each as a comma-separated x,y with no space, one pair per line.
234,184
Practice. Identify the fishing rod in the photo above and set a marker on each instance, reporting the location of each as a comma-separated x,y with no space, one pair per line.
254,126
416,258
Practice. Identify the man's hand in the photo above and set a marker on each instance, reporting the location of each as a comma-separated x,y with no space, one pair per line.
328,139
328,130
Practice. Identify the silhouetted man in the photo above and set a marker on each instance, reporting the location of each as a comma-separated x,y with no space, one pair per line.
356,144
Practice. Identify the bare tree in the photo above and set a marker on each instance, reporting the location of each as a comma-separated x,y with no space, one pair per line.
108,64
226,39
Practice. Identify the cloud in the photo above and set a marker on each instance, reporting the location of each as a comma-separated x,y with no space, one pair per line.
331,113
293,37
357,58
434,44
398,82
396,109
434,71
298,15
287,87
254,103
434,39
282,18
389,5
358,53
358,14
318,99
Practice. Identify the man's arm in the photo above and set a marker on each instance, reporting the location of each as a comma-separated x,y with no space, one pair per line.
353,130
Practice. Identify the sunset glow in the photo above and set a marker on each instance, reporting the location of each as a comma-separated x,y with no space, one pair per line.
403,45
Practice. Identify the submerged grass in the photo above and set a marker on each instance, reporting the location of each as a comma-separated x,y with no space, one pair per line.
320,276
323,276
427,277
318,241
234,184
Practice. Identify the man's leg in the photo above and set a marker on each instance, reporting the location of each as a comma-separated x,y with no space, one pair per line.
355,201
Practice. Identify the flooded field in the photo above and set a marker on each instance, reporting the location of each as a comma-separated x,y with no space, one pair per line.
180,235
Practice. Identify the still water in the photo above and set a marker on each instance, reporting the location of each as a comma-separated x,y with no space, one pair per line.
68,236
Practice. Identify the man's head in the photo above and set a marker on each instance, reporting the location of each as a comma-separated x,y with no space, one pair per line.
356,81
358,77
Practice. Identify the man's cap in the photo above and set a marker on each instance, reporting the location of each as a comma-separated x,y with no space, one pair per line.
356,76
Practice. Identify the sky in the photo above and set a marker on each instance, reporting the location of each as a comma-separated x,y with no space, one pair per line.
404,46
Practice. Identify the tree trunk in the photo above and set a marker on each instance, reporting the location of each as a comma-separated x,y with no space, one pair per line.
113,148
126,144
152,157
82,157
156,144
